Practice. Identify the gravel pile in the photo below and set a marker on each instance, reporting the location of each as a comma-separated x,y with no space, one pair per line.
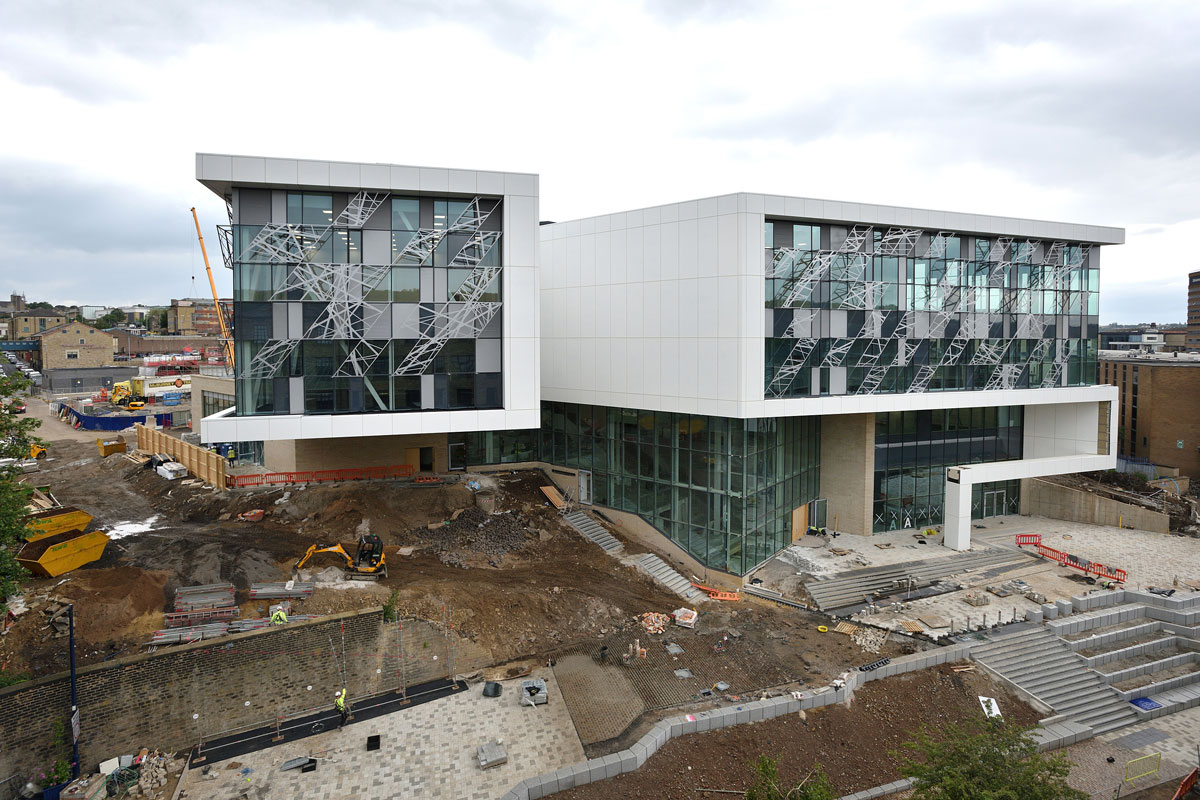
474,531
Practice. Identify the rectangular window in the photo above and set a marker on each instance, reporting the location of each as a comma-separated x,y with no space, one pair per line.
71,355
406,214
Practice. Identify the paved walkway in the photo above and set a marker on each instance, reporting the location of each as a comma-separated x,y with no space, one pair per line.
427,752
1175,737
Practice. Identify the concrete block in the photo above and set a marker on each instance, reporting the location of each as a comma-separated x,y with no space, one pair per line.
595,772
742,715
566,777
612,765
1033,615
1049,611
757,712
676,728
689,727
640,754
1064,607
703,722
629,761
1080,604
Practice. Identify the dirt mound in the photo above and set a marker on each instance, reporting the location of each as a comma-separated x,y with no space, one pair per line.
854,745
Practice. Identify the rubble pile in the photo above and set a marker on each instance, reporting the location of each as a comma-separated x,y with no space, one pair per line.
869,639
475,531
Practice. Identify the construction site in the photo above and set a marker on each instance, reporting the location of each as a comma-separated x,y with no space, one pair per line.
496,641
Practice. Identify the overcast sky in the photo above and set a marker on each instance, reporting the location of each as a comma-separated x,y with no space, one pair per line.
1081,112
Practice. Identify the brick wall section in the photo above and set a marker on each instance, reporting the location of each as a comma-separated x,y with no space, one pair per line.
148,700
1168,411
96,349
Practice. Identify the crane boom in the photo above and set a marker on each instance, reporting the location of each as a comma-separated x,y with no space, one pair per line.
226,339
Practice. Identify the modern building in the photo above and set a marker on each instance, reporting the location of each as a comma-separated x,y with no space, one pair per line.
197,316
735,368
1158,417
727,371
93,312
377,308
73,345
30,322
1193,311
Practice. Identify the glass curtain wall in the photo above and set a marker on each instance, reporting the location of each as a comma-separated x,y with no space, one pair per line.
407,298
913,449
723,489
993,289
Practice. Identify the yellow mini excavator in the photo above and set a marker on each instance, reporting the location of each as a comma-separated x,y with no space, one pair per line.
368,563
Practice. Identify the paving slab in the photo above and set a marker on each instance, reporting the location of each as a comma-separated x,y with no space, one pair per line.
427,751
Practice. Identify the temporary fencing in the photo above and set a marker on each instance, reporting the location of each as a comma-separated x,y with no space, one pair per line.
1090,568
319,476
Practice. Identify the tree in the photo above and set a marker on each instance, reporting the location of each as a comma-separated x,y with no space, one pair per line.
111,319
768,785
985,760
16,434
39,304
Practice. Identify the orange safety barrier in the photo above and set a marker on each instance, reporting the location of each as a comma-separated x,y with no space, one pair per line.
717,594
1089,568
1187,784
320,476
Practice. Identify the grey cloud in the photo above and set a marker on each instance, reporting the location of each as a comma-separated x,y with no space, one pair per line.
64,239
150,33
1124,133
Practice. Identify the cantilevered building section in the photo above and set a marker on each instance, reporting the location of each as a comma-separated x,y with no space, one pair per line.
375,300
736,368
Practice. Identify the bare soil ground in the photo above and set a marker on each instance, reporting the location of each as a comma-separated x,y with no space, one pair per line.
519,584
855,746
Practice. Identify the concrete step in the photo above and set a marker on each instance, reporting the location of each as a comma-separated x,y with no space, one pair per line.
849,588
661,572
593,531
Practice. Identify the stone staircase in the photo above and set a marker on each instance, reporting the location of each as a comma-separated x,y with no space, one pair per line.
658,569
593,531
1042,664
850,589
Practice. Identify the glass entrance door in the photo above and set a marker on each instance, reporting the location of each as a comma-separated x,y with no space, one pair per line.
994,503
585,487
458,456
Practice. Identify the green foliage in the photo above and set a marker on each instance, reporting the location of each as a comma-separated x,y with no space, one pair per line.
111,319
984,760
39,305
768,786
389,608
1138,479
16,434
12,678
61,771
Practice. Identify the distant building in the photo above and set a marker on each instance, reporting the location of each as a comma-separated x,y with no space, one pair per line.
1193,317
135,344
73,344
15,302
136,315
1158,414
26,324
1145,338
197,316
93,312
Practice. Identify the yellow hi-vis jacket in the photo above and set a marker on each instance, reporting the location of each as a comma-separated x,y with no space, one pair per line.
278,618
340,702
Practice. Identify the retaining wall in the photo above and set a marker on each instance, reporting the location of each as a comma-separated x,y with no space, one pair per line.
1051,736
1045,499
243,679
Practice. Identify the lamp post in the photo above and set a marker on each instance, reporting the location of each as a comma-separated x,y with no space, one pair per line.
74,696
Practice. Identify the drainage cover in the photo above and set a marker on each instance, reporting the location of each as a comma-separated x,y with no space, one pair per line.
674,649
684,673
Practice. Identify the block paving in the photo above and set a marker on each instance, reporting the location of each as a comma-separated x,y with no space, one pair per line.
427,751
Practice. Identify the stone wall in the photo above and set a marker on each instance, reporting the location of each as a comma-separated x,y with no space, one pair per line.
1045,499
848,471
244,679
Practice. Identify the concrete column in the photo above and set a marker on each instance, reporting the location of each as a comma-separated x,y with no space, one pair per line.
956,527
848,471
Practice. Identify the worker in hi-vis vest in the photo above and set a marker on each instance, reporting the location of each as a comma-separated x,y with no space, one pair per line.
339,701
279,617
